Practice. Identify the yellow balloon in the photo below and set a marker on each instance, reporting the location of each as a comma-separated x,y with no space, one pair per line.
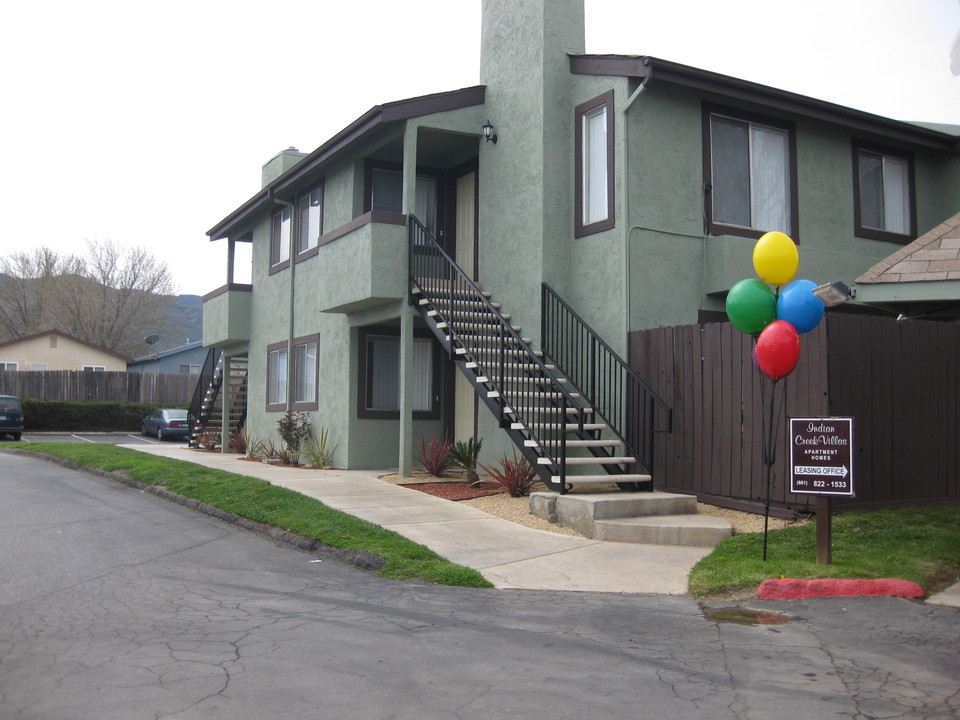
775,258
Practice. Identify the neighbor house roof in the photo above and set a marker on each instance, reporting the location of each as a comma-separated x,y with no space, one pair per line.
68,336
168,353
934,256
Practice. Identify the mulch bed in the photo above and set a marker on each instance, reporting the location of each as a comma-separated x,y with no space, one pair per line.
456,490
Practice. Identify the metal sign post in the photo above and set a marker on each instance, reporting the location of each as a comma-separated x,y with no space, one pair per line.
821,464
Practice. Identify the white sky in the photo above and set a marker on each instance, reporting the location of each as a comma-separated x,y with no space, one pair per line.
148,123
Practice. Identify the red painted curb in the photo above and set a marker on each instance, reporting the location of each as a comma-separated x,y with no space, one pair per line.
793,589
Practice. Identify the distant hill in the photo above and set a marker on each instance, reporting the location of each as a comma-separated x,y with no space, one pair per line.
184,322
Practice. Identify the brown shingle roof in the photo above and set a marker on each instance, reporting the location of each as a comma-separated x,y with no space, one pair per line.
933,256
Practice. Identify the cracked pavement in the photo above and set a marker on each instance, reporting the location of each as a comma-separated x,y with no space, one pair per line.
116,604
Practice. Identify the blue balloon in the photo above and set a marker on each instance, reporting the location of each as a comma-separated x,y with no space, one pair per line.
799,306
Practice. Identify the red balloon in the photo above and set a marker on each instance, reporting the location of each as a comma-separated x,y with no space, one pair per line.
778,349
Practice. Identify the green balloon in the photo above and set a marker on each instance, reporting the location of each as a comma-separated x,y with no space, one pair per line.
751,305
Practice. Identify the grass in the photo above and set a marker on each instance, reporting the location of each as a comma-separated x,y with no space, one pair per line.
259,500
916,543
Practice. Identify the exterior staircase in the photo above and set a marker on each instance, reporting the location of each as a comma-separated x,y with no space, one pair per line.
206,409
579,415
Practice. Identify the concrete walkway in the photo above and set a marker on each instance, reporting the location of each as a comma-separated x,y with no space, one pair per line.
507,554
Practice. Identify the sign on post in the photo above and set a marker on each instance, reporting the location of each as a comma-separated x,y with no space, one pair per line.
821,456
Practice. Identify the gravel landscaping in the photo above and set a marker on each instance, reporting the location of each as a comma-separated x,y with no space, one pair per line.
517,509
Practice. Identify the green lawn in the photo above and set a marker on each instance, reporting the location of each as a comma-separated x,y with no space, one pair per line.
259,500
917,543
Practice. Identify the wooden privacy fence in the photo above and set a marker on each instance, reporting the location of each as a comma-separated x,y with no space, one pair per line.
152,388
899,381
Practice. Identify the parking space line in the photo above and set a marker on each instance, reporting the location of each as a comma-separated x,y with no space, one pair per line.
140,438
92,442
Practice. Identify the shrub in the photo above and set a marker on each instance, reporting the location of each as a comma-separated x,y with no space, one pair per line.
86,416
435,457
316,448
238,441
516,476
209,440
294,429
464,455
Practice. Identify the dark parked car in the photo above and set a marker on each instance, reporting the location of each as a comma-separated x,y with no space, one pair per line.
11,417
166,423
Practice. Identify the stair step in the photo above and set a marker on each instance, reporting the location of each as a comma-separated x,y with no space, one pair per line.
570,427
612,460
606,477
495,352
486,340
529,395
462,316
575,443
548,410
457,304
443,286
693,530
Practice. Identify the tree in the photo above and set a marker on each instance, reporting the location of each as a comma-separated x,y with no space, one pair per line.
25,291
107,297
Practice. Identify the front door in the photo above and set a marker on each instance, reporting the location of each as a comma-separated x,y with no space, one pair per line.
465,403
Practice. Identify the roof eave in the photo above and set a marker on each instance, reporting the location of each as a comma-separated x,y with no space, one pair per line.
656,70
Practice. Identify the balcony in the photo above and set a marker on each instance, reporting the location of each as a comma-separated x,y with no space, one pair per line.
362,264
226,316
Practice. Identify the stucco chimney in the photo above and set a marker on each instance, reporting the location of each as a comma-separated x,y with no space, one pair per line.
279,164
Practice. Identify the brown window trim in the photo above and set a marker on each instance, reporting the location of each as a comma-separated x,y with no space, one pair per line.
314,404
309,252
712,228
874,233
579,229
275,239
280,406
363,412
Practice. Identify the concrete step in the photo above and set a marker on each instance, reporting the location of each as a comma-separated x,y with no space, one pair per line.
700,530
655,518
591,460
576,444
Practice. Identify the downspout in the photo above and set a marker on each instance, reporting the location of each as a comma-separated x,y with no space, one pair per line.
293,271
624,180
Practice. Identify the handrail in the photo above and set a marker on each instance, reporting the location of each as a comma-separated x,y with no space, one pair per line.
204,379
617,393
478,330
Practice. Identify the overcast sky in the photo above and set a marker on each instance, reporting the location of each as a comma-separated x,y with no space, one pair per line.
148,123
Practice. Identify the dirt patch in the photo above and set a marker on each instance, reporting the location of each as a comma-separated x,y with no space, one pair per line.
455,490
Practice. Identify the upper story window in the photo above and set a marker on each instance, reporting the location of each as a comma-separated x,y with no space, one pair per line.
883,193
305,372
594,166
749,174
280,238
277,376
310,220
384,193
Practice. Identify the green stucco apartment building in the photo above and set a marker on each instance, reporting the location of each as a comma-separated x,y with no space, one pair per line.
633,186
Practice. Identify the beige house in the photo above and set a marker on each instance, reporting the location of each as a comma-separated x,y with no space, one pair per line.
55,350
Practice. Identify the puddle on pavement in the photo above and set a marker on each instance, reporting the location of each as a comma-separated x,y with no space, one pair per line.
746,616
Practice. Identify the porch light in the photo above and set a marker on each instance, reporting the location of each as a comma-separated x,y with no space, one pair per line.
488,132
834,293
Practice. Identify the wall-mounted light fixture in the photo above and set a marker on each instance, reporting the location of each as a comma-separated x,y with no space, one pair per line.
834,293
488,132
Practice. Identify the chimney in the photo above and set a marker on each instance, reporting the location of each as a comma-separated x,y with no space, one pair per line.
279,164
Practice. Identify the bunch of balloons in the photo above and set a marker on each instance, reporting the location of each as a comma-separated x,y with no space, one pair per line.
776,317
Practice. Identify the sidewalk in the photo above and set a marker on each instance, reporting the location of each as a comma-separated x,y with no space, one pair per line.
507,554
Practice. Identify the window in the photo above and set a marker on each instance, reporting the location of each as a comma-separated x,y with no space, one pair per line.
883,194
750,174
190,369
38,366
9,366
594,166
310,221
385,193
305,372
379,376
94,368
280,239
277,377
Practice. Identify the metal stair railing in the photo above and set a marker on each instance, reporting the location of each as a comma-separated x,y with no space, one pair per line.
628,405
206,381
516,378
